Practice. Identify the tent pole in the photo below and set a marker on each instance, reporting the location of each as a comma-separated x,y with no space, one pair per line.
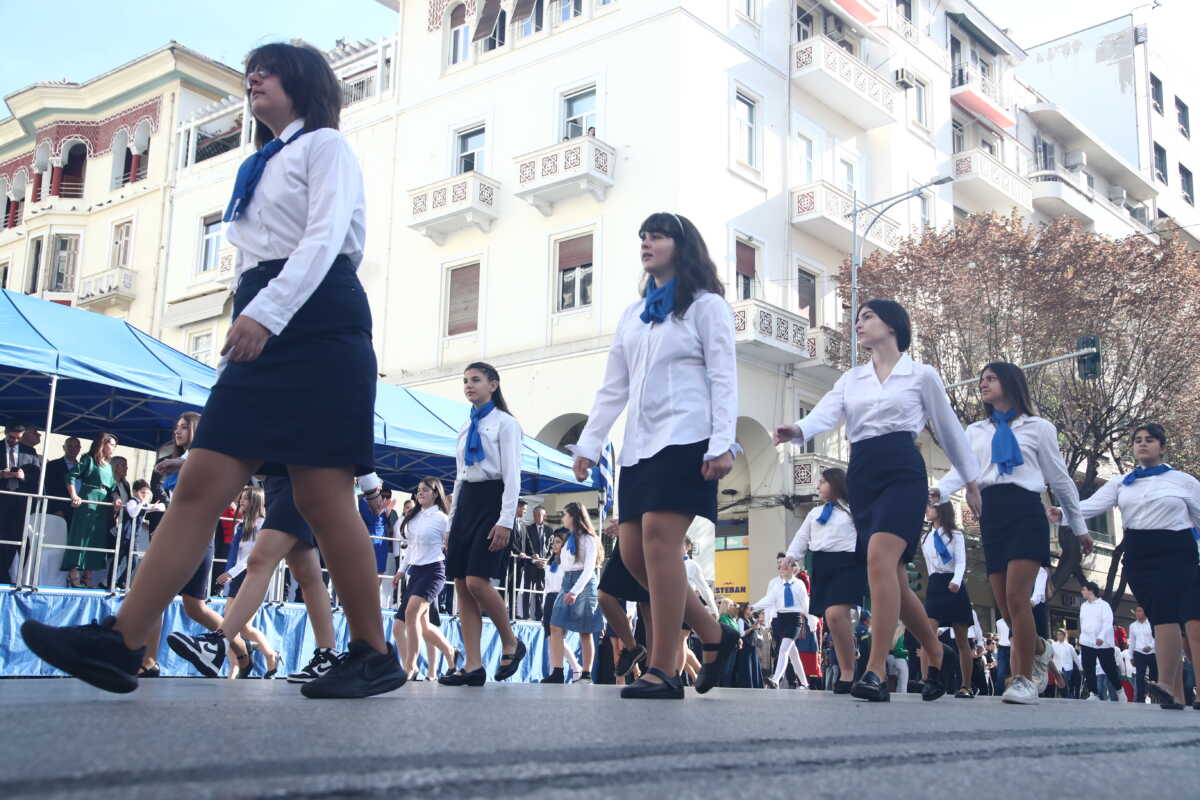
32,575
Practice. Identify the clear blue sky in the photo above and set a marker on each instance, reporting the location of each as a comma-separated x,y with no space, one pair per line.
75,40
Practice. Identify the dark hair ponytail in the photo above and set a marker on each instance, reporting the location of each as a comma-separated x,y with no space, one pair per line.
836,478
694,267
491,374
895,316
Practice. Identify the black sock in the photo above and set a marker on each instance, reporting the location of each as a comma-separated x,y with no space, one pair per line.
585,674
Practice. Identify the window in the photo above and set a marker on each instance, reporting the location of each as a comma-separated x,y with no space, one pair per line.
1091,180
905,7
810,445
747,150
1101,531
470,151
1044,153
462,300
65,258
1156,93
748,9
958,137
210,246
534,22
1160,162
3,274
495,39
926,210
460,35
919,111
988,145
808,296
804,24
960,213
35,265
1185,185
575,273
200,347
806,158
579,110
746,259
569,10
846,175
1185,120
122,236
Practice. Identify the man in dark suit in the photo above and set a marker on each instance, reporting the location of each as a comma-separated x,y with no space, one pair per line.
20,474
56,479
514,561
537,545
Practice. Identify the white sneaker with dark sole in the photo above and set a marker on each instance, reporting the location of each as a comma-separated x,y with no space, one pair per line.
321,662
1021,691
206,653
1041,665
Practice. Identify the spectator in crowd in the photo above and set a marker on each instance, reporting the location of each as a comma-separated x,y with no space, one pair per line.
251,513
135,526
521,554
591,131
554,581
577,608
1096,641
747,670
20,474
1141,646
90,522
897,661
1064,655
31,438
119,496
56,478
533,577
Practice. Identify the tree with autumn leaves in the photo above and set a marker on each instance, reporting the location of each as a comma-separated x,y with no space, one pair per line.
995,288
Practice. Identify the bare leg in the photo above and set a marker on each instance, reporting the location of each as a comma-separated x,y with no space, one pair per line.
206,482
489,602
198,611
400,636
653,555
557,647
153,641
471,623
305,566
837,619
434,640
1018,585
269,549
1168,644
614,612
966,658
587,647
892,600
412,634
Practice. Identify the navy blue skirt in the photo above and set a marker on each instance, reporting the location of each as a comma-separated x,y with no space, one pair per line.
320,371
1013,527
888,489
947,607
1163,574
618,581
282,514
669,480
838,579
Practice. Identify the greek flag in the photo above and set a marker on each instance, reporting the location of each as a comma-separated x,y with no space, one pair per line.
607,489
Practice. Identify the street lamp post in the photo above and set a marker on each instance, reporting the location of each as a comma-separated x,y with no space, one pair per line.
856,247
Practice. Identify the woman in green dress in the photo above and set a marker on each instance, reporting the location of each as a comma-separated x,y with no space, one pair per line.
90,523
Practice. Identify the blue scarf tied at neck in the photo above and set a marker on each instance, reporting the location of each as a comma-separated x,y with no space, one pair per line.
660,302
474,452
826,513
1144,472
942,550
251,172
1006,453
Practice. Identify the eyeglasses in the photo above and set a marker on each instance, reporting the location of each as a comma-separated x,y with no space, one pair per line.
260,75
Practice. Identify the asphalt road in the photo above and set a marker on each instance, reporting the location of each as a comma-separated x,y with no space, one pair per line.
183,738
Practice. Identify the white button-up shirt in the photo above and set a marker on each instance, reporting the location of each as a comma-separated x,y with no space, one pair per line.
912,394
1044,465
308,207
501,437
1064,656
426,533
958,549
1166,502
1039,587
775,601
676,381
1003,633
1141,637
584,559
1095,623
838,535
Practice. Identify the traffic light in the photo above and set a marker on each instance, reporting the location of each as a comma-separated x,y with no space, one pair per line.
914,576
1089,365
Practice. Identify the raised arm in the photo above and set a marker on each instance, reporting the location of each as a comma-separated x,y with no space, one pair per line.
799,546
828,413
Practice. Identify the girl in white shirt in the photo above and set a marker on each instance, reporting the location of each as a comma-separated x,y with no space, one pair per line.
946,600
554,582
484,507
252,509
297,359
1096,646
426,528
672,368
886,404
576,608
786,604
1018,457
1160,507
839,579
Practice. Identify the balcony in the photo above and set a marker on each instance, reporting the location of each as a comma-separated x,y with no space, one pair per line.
981,94
576,167
108,289
861,12
909,32
452,204
807,469
820,209
827,354
989,185
769,333
842,82
1057,193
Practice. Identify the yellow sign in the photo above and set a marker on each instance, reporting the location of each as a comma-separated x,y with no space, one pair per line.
733,575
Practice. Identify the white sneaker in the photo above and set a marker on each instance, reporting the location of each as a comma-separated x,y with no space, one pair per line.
1041,666
1021,691
321,662
1095,698
576,675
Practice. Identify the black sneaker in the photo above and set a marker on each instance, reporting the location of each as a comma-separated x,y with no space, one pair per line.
93,653
934,687
555,676
322,661
841,687
628,658
361,672
206,653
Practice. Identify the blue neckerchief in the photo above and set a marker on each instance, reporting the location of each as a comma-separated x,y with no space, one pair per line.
660,302
169,482
554,565
1006,453
1196,534
572,546
474,452
789,599
942,550
826,513
1145,472
251,172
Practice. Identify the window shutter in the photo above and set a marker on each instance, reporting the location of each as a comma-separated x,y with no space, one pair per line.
745,259
486,22
463,302
523,10
575,252
458,16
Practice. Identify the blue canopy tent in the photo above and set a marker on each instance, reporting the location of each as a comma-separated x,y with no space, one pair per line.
87,373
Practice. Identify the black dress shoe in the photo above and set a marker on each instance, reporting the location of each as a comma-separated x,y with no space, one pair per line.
555,676
841,687
476,677
1165,699
509,664
725,648
153,672
93,653
642,689
934,687
869,687
628,658
362,672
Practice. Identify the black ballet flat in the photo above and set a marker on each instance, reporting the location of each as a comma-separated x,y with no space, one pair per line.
934,687
1165,699
725,648
869,687
476,677
841,687
642,689
514,662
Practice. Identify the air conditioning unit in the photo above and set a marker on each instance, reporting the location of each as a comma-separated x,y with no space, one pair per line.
905,79
1141,214
1117,195
1075,159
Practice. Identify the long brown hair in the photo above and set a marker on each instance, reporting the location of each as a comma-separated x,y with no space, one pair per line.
193,421
582,523
439,500
306,78
1016,388
947,520
694,267
98,442
255,510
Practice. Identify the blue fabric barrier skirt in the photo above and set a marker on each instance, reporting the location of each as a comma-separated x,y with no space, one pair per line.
286,628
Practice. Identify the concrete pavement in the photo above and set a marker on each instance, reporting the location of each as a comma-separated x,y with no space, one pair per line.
185,738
